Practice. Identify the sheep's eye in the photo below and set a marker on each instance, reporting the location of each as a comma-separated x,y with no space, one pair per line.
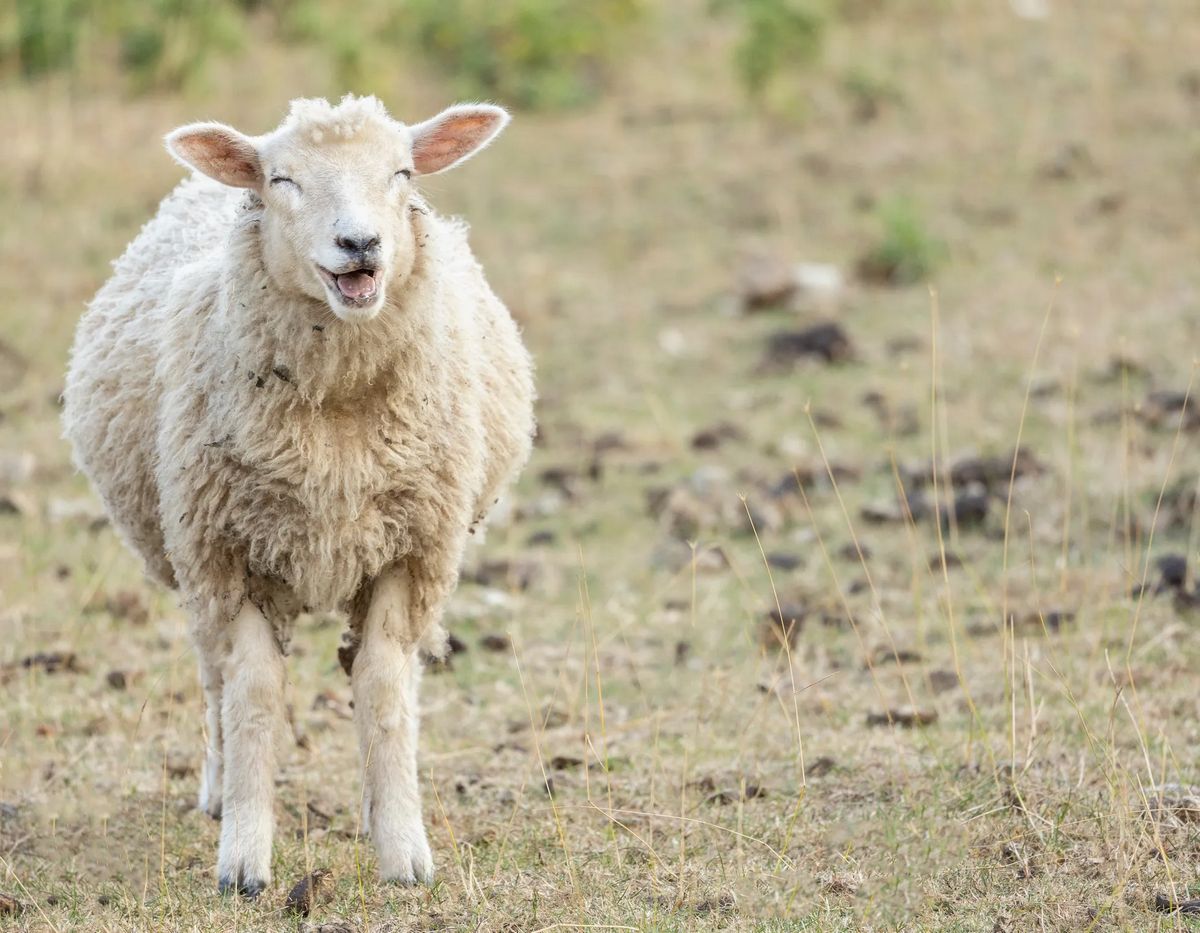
405,172
283,179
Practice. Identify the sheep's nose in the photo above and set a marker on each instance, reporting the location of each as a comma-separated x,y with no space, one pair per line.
362,243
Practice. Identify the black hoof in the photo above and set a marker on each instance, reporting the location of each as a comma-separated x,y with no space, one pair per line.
247,889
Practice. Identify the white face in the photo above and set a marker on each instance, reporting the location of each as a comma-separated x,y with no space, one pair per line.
334,225
336,183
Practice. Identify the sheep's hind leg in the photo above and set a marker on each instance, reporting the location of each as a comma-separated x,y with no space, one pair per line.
252,715
210,777
385,677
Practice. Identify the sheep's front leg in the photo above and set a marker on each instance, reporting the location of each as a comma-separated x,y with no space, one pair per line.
210,777
385,678
252,714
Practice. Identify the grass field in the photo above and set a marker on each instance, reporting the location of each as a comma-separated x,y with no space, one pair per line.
986,717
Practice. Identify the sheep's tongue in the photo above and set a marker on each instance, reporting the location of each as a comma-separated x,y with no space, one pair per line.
356,285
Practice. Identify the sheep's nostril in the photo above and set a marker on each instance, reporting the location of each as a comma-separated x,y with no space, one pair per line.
357,244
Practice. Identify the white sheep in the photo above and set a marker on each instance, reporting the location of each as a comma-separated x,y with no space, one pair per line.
297,392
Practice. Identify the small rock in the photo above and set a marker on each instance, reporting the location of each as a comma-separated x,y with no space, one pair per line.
765,282
733,795
969,510
1172,571
818,284
711,438
760,516
1038,621
118,680
1167,408
507,574
942,680
906,716
609,441
770,282
495,642
889,513
564,479
128,605
886,655
991,473
850,551
950,558
783,623
827,342
779,560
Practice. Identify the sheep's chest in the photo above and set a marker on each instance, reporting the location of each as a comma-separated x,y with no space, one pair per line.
327,503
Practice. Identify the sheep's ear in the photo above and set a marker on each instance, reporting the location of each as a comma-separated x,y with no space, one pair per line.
218,151
454,135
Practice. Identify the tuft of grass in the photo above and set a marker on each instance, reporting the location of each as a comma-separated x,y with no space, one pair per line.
533,53
907,252
869,91
45,37
777,36
538,54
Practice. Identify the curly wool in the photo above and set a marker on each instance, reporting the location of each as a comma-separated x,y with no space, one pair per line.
315,117
248,444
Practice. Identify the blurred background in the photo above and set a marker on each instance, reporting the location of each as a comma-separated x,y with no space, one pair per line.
851,580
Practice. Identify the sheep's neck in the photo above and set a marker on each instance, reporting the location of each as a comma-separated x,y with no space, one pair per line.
286,336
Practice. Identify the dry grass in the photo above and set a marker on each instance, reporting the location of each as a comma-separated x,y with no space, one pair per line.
700,780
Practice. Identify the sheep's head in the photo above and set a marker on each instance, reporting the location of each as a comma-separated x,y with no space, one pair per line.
336,184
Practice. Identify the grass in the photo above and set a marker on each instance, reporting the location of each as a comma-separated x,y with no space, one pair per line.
906,253
704,776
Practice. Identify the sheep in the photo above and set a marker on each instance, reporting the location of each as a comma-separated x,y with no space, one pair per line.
297,392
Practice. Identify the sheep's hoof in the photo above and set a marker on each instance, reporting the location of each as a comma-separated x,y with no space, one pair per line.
249,889
411,867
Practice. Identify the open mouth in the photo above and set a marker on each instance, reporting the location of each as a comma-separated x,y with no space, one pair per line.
355,287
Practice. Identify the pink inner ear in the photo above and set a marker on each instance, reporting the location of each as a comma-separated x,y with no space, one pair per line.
222,157
451,140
